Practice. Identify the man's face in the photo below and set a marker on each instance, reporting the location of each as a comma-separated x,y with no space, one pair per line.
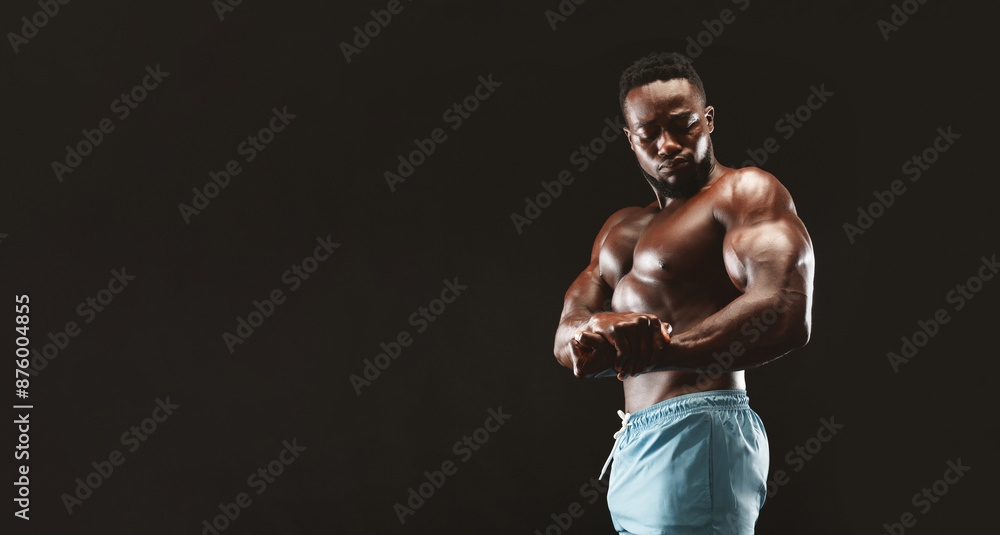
669,132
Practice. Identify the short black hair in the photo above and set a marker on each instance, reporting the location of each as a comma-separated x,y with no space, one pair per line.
658,66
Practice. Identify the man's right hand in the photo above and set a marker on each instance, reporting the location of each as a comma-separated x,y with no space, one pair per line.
592,354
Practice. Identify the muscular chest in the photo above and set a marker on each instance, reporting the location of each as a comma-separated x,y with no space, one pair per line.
684,243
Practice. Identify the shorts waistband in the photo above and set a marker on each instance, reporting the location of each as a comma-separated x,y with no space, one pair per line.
699,401
719,400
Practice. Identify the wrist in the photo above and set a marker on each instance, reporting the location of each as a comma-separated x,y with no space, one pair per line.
667,356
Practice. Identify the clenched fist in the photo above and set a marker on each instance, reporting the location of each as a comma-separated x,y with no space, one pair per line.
627,341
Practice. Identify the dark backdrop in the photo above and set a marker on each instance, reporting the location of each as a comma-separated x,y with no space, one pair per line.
367,444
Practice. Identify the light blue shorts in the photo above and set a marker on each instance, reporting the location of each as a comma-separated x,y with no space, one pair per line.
691,465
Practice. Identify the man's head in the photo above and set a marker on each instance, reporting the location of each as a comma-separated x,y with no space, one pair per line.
669,123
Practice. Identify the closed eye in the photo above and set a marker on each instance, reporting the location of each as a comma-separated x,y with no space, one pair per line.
646,134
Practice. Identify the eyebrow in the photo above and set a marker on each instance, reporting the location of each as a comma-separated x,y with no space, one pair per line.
672,117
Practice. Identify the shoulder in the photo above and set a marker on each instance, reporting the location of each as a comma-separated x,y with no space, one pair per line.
750,193
751,184
617,218
621,216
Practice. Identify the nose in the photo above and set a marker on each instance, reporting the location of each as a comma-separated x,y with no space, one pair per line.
666,145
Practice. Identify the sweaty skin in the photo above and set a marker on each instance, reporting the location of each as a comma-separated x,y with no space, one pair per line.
729,267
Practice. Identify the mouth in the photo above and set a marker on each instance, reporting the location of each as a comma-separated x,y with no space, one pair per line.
672,165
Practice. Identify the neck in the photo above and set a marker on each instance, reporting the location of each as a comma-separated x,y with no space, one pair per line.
716,171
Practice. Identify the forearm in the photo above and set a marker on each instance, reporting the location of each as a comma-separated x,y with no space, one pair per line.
753,330
568,326
596,364
587,353
583,300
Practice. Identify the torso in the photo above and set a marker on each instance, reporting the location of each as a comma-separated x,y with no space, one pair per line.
670,263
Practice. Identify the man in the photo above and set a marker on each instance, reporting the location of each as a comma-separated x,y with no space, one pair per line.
722,259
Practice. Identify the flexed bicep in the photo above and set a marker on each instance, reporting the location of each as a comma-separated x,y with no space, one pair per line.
766,247
770,255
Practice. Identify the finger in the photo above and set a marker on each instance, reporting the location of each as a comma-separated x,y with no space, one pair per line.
650,337
621,341
590,339
612,341
581,356
607,333
621,360
638,337
657,341
627,365
641,360
660,334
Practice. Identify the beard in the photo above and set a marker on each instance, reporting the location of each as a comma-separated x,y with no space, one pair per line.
683,189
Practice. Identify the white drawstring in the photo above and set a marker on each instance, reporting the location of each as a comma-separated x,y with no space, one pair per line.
618,434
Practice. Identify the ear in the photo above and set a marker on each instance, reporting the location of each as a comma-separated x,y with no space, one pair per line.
710,118
628,136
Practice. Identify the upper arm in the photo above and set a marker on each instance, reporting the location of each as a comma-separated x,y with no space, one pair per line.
766,248
590,290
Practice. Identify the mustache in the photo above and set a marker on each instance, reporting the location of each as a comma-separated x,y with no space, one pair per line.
672,162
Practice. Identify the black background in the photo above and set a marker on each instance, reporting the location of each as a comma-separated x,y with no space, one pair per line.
324,176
